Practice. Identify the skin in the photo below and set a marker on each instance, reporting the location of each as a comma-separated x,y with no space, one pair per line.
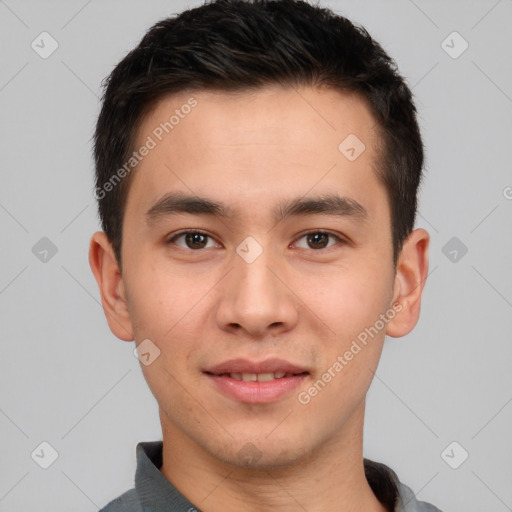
296,301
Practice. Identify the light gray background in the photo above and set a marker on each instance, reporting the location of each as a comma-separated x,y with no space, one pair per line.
67,380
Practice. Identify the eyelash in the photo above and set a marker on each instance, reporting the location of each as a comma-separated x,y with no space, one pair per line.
318,231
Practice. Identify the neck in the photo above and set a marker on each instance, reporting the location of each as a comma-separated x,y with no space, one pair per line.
328,480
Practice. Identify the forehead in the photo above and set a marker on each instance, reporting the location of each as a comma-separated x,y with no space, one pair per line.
256,144
271,115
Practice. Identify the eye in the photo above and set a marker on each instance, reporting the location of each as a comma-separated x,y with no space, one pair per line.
196,240
319,239
193,240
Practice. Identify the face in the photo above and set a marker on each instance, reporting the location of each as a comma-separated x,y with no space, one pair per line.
250,288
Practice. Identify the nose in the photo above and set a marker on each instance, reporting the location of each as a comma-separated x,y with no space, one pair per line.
256,299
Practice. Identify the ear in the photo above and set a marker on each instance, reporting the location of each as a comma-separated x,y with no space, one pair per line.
110,282
411,273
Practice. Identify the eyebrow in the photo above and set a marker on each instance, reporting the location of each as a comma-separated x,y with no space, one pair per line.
330,204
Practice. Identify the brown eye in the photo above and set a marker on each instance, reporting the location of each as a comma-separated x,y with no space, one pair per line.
194,240
318,240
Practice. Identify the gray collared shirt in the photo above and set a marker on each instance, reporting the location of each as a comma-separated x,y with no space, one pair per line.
154,493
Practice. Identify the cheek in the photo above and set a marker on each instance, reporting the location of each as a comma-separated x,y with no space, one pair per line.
168,308
353,307
349,302
161,301
350,356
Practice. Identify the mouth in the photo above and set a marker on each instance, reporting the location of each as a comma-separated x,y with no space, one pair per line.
257,377
256,382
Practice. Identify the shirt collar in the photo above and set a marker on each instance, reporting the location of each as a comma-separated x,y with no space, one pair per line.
155,492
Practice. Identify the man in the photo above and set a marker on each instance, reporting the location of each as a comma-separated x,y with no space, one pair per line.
257,166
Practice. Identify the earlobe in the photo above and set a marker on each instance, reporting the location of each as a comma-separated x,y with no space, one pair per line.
411,274
110,283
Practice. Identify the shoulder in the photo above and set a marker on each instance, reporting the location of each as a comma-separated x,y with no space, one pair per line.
408,502
127,502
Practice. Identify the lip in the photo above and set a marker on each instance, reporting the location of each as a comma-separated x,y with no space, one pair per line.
256,392
246,366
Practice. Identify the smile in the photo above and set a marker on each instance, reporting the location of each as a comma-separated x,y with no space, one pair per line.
260,377
256,391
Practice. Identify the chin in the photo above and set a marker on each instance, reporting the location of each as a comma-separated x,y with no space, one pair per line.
261,453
